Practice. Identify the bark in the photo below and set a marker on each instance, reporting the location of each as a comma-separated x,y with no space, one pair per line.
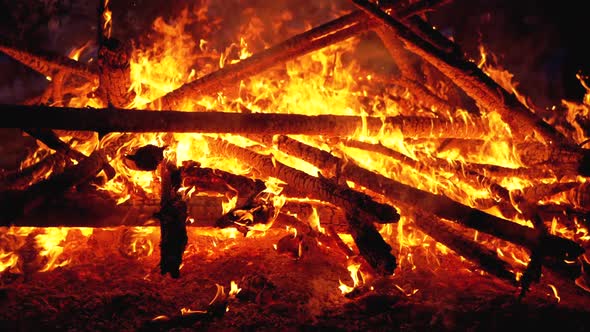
482,256
50,138
49,64
17,204
173,216
446,208
98,210
432,164
372,247
120,120
356,203
21,178
542,191
216,180
314,39
115,73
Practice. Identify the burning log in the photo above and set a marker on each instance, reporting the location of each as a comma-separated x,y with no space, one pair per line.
318,188
257,210
463,173
50,138
486,258
18,179
309,41
16,204
120,120
172,216
372,247
115,73
216,180
442,206
541,191
361,208
49,64
481,88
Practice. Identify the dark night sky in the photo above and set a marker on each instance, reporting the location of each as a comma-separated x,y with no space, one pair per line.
541,42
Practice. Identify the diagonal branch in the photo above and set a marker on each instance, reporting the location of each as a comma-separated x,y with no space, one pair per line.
48,64
309,41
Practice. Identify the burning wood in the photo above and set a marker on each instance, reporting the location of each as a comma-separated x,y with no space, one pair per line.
50,64
207,179
172,216
16,204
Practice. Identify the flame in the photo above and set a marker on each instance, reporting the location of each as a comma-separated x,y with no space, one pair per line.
107,16
76,52
354,269
327,81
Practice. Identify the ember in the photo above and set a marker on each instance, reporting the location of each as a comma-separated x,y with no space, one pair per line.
296,182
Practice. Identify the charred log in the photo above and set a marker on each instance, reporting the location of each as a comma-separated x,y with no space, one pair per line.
318,188
206,179
50,138
484,257
172,215
371,245
115,73
445,207
49,64
17,204
21,178
120,120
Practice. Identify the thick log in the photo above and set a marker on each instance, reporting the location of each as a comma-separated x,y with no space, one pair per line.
312,40
115,73
173,216
443,207
97,209
215,180
21,178
541,191
50,138
120,120
16,204
480,87
484,257
371,245
356,203
433,164
49,64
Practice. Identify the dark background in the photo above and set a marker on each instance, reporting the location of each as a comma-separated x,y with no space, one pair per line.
541,42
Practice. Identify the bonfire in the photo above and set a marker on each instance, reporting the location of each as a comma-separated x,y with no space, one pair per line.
288,178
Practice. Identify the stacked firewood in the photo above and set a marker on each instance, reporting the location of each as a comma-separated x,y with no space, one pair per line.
545,152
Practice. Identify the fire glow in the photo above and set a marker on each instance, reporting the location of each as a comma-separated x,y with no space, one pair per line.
422,141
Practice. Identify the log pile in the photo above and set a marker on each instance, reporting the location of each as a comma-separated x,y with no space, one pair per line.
349,195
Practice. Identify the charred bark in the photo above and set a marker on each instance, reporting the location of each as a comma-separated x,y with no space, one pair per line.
172,216
49,64
364,206
484,257
17,204
445,207
115,73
